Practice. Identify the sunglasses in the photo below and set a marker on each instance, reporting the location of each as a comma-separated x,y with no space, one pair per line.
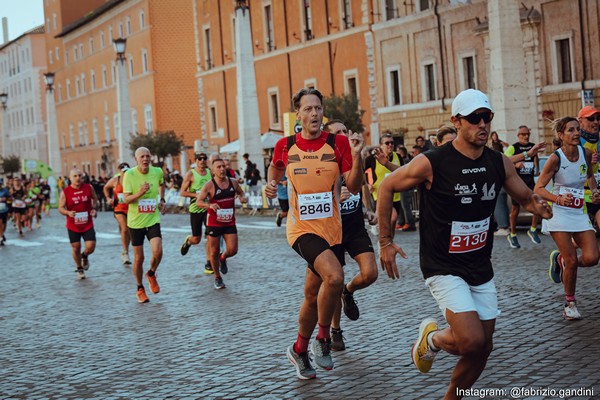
593,118
388,143
475,118
201,158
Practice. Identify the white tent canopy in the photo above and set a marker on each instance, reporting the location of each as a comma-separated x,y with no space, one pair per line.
268,140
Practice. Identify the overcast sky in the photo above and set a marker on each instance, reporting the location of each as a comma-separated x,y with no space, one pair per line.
22,15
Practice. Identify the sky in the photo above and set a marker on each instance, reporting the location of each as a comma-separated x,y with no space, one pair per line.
22,15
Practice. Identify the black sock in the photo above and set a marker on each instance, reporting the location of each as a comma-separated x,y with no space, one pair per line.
84,255
140,287
150,272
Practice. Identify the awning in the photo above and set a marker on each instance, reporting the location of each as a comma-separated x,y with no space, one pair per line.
268,140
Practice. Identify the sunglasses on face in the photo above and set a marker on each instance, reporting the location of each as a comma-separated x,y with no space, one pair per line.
593,118
475,118
201,158
388,143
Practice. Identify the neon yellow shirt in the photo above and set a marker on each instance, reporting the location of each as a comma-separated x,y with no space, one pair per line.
144,212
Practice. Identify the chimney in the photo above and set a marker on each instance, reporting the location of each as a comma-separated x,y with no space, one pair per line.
4,30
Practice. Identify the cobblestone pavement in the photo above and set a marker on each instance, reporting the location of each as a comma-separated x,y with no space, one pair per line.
64,338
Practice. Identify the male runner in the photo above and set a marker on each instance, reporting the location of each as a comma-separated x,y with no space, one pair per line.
193,182
459,185
19,207
78,203
221,192
144,191
313,161
4,198
589,124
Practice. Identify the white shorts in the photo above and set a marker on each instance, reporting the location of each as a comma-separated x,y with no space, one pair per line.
454,294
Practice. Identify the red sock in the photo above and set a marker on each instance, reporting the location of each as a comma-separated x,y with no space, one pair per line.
301,345
570,298
221,257
324,332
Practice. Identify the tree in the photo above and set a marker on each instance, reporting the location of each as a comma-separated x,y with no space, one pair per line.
11,165
160,144
345,108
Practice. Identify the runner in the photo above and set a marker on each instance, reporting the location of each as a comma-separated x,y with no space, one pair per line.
355,241
4,198
117,202
78,203
45,196
144,190
313,161
221,192
569,166
193,182
459,184
19,207
35,193
589,123
282,199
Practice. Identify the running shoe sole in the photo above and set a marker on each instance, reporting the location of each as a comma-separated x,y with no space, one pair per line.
534,238
554,270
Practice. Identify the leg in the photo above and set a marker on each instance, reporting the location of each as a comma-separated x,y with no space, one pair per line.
157,252
212,250
307,320
90,246
589,248
406,198
367,274
76,251
125,238
514,213
138,264
231,245
329,291
568,252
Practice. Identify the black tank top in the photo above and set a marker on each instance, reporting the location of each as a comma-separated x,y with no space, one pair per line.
456,214
526,172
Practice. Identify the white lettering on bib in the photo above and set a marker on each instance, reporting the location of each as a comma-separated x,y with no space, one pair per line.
147,206
81,218
350,204
224,214
121,198
468,236
577,196
315,205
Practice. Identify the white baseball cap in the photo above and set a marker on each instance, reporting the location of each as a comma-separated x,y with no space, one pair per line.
468,101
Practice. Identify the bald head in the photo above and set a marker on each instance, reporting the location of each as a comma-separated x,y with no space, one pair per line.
75,177
140,151
143,158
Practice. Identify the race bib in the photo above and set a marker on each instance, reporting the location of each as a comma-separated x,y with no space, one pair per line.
351,204
468,236
147,206
121,198
81,218
224,214
527,168
28,201
315,205
33,197
3,207
577,196
17,203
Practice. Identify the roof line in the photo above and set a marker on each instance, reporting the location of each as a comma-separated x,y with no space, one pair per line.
34,31
90,16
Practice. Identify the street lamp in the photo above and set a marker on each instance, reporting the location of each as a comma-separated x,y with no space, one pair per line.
123,105
53,147
3,101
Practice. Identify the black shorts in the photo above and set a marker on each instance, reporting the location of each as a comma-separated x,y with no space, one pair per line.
310,246
88,236
197,220
357,241
217,231
138,235
120,213
398,207
20,211
530,185
284,204
592,209
4,217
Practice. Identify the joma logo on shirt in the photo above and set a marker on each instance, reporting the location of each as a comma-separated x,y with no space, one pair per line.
310,157
473,170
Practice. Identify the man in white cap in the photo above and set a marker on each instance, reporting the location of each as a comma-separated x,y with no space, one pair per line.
459,185
589,122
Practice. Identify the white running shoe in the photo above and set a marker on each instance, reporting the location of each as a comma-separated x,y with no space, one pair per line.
125,259
80,274
501,232
571,313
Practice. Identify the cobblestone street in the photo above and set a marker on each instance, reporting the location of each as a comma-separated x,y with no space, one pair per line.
64,338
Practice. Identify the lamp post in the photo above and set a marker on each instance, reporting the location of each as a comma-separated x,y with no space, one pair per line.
3,101
123,106
53,148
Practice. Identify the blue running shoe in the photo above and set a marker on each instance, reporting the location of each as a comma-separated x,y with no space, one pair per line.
555,270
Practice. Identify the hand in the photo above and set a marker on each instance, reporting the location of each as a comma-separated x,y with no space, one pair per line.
356,142
538,148
145,187
243,199
345,194
380,156
371,188
387,258
162,207
596,197
110,202
519,165
542,208
71,214
371,218
94,213
214,207
595,157
271,190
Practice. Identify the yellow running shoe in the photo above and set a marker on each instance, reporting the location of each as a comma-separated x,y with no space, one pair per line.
422,355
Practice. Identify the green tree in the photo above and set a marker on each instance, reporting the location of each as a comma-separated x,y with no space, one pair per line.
11,165
160,144
345,108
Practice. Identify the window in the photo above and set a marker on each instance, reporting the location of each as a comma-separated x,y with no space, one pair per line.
144,60
428,80
134,122
66,57
148,117
77,86
128,24
114,72
104,77
307,15
56,53
233,36
274,107
75,53
310,83
212,115
208,48
91,45
59,92
54,21
107,129
64,141
83,86
142,19
50,57
80,132
121,33
269,41
562,65
95,130
72,136
68,89
394,91
467,75
81,50
93,80
110,34
131,67
102,42
423,5
351,83
116,125
389,11
346,8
